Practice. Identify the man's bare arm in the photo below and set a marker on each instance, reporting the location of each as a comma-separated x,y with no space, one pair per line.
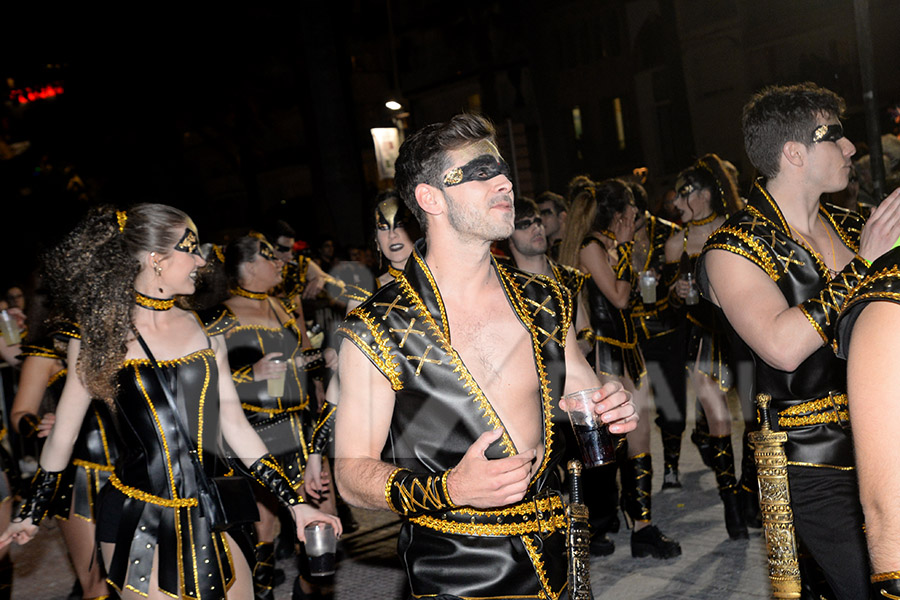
873,383
361,429
780,334
614,404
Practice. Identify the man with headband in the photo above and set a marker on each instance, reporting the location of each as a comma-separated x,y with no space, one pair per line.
780,270
449,380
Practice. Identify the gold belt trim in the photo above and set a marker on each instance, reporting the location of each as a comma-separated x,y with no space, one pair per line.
150,498
92,465
275,411
830,409
540,515
617,343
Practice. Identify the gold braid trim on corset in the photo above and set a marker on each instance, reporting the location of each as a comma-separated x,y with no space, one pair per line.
148,497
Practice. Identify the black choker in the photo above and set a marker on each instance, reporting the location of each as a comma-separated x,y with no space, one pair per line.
712,217
239,291
395,273
153,303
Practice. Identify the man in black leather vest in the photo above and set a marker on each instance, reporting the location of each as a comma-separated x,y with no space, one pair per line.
780,270
455,433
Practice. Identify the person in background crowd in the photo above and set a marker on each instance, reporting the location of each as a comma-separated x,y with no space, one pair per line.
706,195
554,210
780,270
598,241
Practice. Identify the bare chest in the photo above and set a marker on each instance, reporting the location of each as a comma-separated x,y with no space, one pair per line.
497,351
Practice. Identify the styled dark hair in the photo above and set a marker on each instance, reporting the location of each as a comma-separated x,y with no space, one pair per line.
279,228
239,251
526,207
91,272
592,207
709,173
559,203
780,114
641,199
423,156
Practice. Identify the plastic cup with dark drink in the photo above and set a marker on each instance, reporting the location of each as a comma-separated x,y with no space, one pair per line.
320,548
594,439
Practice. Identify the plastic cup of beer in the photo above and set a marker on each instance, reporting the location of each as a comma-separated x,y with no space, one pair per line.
594,439
275,386
321,545
9,329
648,287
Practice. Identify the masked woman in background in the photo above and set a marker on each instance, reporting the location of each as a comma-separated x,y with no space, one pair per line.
706,195
598,240
119,274
269,370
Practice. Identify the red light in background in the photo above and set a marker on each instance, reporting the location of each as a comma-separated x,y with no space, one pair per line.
29,95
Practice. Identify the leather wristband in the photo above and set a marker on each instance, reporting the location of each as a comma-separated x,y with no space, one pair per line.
44,489
586,334
414,494
316,366
321,436
824,308
268,473
886,585
28,425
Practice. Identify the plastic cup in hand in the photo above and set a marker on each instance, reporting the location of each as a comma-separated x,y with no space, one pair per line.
594,439
648,287
275,386
9,329
320,548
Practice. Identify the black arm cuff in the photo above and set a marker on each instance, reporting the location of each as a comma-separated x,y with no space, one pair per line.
45,491
823,309
324,430
886,585
413,494
267,472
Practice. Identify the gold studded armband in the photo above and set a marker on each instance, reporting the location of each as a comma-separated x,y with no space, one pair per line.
415,494
47,489
823,309
324,429
886,585
268,473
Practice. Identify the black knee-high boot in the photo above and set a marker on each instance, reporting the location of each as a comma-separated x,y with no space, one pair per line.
264,571
722,457
700,436
637,476
671,443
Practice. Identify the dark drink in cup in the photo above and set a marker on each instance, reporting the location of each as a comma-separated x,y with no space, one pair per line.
321,545
594,439
596,445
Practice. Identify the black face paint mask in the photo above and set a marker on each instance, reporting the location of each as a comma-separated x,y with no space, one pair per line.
482,168
189,243
827,133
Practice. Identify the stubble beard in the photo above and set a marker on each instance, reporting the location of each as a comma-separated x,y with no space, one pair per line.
469,224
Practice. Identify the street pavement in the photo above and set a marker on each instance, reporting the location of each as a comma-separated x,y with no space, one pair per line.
710,567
